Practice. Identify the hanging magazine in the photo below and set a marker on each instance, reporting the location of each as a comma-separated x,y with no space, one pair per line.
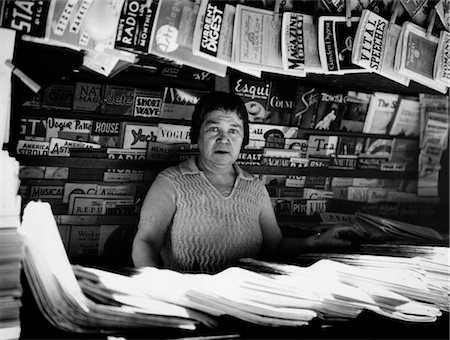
213,34
441,70
335,41
374,46
415,54
172,36
299,48
257,41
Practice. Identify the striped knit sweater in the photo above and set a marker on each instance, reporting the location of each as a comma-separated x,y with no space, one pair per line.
210,231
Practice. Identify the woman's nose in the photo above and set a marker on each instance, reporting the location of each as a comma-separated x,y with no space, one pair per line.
223,137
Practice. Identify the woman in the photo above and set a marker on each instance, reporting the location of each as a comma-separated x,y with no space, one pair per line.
206,213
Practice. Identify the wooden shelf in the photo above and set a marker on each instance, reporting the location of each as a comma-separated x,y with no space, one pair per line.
92,163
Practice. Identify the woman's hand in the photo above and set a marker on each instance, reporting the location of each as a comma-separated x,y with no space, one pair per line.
338,236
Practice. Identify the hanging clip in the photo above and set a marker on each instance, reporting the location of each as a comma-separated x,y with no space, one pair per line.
276,10
431,21
348,13
397,8
35,87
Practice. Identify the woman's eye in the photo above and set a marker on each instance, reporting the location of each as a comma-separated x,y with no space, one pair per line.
234,131
213,129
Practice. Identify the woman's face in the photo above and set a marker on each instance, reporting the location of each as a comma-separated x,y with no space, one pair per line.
220,138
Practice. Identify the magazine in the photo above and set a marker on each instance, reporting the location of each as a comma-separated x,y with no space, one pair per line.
305,107
374,46
418,10
443,11
257,41
335,40
355,111
299,49
406,117
213,34
27,18
172,36
415,55
70,25
380,112
441,71
330,110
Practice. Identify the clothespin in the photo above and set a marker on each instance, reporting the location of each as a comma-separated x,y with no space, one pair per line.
395,12
348,13
276,10
35,87
431,21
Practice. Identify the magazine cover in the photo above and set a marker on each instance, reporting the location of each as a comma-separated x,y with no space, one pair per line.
179,103
255,94
107,133
213,34
375,45
118,100
147,103
299,47
58,96
415,56
441,70
405,152
57,126
305,107
32,148
134,26
87,97
172,36
69,21
78,188
257,41
173,134
60,147
33,128
355,111
83,240
350,146
406,117
380,112
335,41
330,109
28,18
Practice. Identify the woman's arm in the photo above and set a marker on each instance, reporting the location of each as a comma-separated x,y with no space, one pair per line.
156,215
277,246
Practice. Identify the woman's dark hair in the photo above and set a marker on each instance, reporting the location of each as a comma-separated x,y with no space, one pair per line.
221,101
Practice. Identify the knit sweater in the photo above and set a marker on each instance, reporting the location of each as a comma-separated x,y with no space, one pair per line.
210,231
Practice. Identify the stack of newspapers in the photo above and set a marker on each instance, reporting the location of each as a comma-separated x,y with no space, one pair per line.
11,248
81,299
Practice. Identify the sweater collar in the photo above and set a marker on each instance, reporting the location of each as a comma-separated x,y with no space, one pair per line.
189,167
